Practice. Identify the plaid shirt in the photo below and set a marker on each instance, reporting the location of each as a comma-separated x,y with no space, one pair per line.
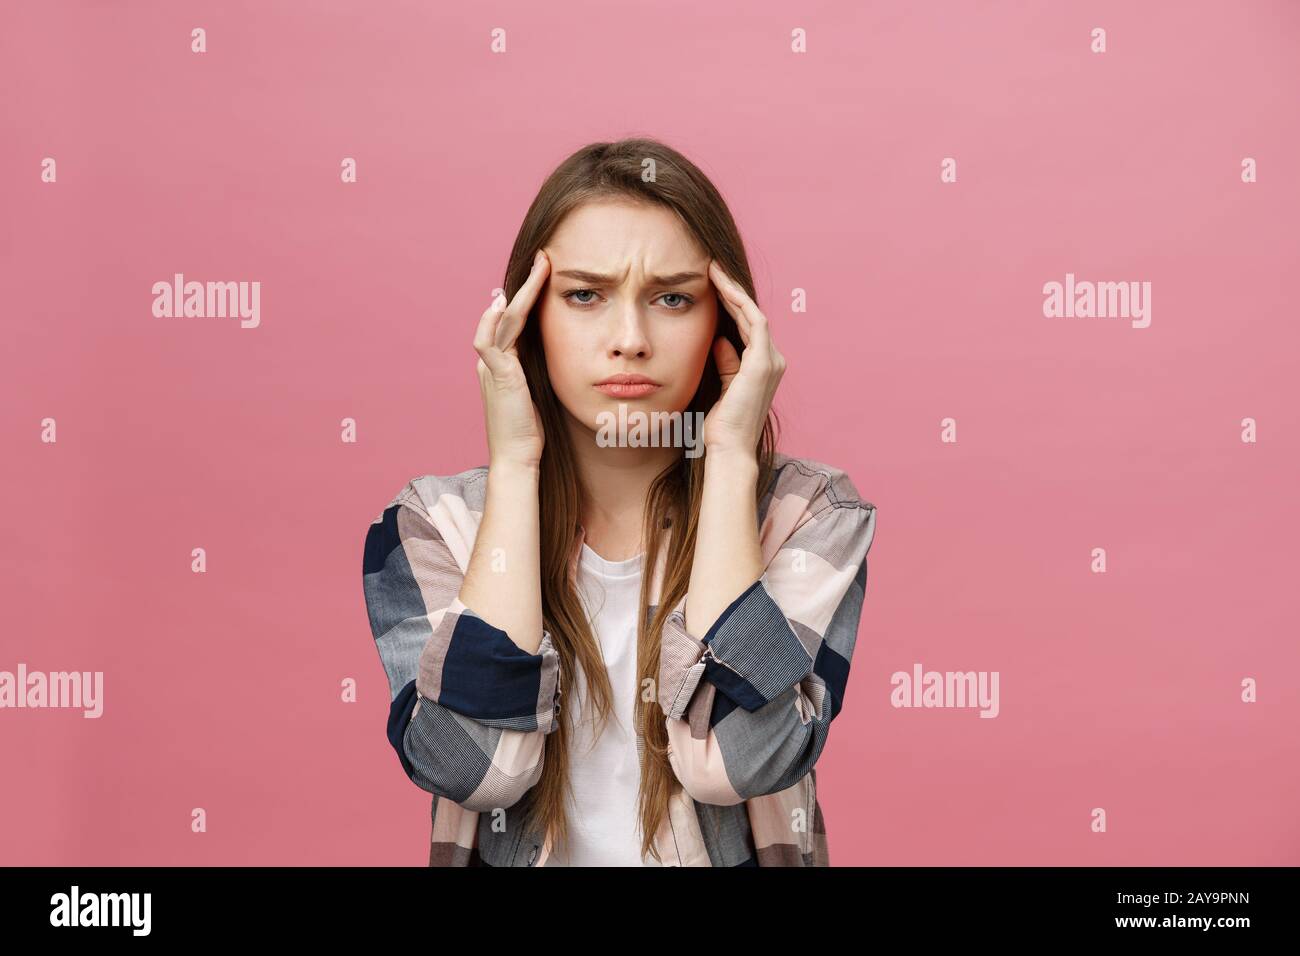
748,706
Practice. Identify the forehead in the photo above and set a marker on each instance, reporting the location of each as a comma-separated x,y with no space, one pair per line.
610,235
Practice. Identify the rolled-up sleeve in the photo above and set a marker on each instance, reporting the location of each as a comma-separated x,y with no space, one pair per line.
749,703
469,709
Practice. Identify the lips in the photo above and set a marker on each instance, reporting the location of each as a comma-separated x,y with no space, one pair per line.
627,385
627,389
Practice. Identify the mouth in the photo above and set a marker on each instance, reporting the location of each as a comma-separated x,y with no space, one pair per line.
627,391
627,386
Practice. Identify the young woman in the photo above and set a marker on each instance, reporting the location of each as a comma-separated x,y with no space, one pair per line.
602,648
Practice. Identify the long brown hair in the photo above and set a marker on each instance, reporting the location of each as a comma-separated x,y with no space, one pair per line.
605,171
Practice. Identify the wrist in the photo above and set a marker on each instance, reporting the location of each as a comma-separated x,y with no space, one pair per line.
731,460
512,472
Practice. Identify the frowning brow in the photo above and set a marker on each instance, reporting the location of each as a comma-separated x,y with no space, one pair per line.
596,278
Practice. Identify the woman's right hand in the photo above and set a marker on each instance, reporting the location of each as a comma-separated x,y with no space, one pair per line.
514,425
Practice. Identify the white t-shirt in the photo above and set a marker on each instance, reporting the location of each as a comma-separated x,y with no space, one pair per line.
604,823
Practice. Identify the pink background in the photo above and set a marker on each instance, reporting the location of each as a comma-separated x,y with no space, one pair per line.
1118,690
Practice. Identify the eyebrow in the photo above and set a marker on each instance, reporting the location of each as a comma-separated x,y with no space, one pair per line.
596,278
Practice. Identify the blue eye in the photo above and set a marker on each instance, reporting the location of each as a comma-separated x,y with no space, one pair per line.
572,297
568,296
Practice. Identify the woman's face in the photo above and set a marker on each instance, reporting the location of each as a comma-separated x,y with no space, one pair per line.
628,292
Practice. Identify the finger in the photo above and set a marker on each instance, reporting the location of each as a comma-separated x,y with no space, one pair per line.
721,282
485,335
750,319
516,313
487,322
726,358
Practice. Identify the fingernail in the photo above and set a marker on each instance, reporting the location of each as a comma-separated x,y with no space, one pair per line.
537,259
500,301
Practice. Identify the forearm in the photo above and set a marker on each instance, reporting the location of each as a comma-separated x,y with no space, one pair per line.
503,581
727,554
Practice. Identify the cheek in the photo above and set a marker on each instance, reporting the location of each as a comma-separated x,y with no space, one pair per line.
701,344
695,342
690,348
563,361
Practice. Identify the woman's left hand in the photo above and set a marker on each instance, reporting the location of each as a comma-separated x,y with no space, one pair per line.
749,381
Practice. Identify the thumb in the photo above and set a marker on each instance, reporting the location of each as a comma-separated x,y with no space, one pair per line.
726,358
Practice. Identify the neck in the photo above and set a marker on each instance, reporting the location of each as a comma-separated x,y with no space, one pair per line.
617,481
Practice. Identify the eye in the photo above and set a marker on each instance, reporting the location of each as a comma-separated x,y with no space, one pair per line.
569,296
687,301
681,302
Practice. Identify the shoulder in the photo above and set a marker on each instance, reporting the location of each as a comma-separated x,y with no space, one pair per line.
436,516
431,495
818,486
466,489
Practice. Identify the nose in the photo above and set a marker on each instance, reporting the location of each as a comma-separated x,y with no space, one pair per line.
630,337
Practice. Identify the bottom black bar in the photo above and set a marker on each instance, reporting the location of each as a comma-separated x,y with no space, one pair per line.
1174,904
